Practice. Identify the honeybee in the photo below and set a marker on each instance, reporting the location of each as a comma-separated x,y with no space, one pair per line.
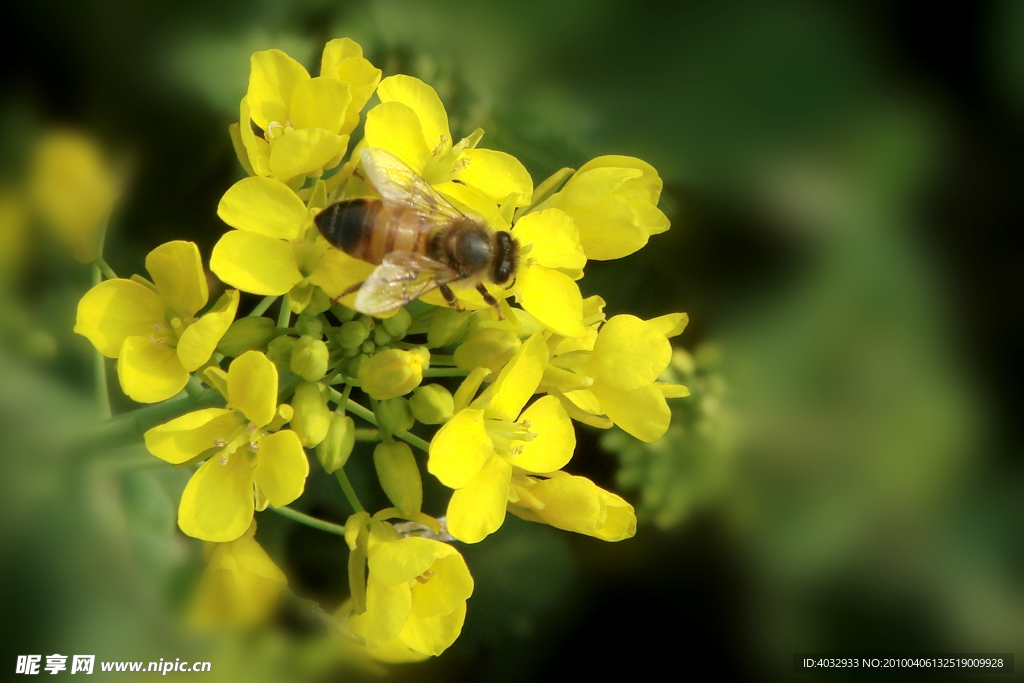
416,238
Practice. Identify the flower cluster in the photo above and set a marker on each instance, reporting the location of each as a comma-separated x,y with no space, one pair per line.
263,394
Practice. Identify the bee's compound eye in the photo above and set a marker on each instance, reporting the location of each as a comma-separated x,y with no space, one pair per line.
506,258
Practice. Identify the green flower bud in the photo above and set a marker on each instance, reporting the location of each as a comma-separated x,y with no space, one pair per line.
320,303
368,347
311,417
352,334
391,373
279,351
334,450
352,369
447,327
381,337
343,313
432,404
309,325
309,359
488,347
395,416
398,324
399,476
247,334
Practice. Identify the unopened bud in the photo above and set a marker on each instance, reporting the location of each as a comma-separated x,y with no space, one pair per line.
279,351
395,416
309,325
488,347
381,336
399,476
319,303
334,450
447,327
247,334
310,358
391,373
398,324
432,404
343,313
311,416
352,334
368,347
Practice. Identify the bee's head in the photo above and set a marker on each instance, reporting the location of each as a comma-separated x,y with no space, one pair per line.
506,258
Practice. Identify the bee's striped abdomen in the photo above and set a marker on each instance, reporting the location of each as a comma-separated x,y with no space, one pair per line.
348,225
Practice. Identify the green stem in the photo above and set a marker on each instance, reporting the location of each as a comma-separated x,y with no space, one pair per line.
441,359
194,387
100,364
385,433
303,518
445,372
262,306
285,315
107,271
346,488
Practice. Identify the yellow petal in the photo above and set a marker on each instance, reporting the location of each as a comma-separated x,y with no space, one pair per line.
672,390
552,298
434,635
273,77
555,441
517,381
670,325
387,609
449,585
478,509
496,174
343,59
629,353
252,387
149,372
473,203
306,150
395,127
185,437
585,400
177,271
336,271
198,341
423,100
264,206
114,310
592,185
217,503
257,150
403,560
255,263
609,229
460,448
642,413
320,103
577,504
554,239
281,467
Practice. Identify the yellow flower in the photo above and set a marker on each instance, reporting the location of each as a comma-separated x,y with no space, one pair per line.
614,202
244,460
305,121
411,123
153,328
617,377
416,593
240,585
572,503
475,452
276,249
74,189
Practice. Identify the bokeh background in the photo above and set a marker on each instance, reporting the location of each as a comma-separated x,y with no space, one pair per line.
843,180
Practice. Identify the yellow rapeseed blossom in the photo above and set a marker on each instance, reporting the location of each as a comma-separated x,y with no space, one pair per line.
240,585
154,328
476,451
572,503
74,189
416,592
305,122
411,123
245,457
614,202
617,377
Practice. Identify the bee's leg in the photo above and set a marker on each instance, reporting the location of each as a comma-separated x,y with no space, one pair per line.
348,291
488,299
449,296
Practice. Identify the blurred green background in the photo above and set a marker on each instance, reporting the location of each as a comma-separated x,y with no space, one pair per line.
843,180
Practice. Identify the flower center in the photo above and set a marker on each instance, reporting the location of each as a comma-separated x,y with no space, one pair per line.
505,433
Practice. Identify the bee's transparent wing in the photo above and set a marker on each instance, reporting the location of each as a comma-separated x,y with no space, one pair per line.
400,278
399,184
